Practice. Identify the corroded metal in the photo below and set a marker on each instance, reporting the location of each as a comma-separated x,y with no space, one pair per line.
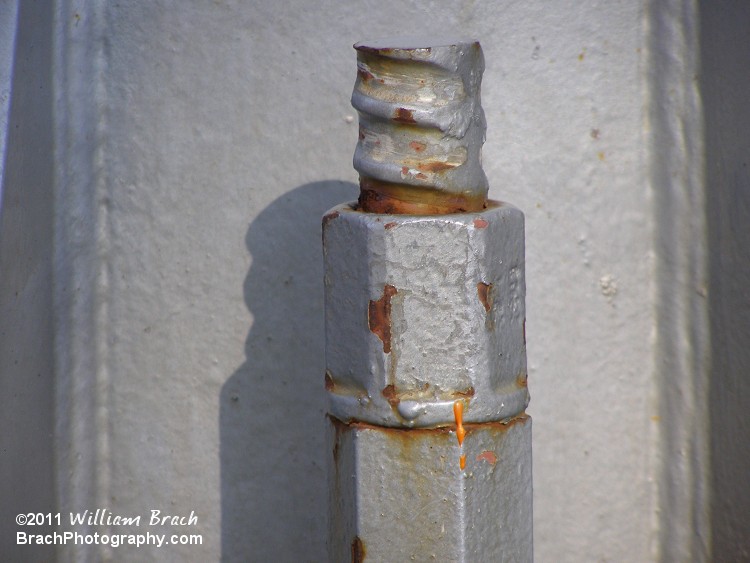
401,495
421,126
425,325
422,311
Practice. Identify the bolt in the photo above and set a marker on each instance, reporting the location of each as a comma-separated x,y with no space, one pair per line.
421,126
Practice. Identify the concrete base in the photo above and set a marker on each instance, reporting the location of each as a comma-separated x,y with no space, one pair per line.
400,495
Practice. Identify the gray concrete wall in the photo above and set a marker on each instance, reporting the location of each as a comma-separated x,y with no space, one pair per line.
182,166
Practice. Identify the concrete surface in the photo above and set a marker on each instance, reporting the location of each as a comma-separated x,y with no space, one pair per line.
160,225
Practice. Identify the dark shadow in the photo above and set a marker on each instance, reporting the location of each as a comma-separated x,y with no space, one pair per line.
725,88
27,384
273,469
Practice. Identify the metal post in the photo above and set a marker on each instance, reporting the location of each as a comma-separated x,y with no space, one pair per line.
425,325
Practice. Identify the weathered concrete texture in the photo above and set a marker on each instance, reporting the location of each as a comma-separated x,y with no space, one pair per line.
410,501
424,310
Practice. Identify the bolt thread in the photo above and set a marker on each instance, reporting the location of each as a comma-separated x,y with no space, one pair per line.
421,126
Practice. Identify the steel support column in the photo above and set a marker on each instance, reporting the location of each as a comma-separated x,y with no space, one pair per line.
425,325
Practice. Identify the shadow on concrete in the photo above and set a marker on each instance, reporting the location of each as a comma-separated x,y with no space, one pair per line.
725,72
273,472
27,378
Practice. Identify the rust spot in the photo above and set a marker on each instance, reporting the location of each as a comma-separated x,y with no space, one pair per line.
330,217
434,166
462,462
466,394
522,380
404,170
420,176
488,456
601,156
389,392
358,550
417,146
402,115
485,295
480,223
379,317
364,74
376,196
390,225
329,382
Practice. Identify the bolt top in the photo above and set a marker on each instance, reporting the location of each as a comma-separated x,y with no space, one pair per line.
421,125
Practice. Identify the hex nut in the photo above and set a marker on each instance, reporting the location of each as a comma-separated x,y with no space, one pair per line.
422,311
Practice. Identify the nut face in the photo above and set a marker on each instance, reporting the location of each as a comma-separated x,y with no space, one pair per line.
422,311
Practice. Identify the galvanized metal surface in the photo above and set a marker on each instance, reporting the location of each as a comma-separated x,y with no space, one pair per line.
422,311
421,125
400,495
425,325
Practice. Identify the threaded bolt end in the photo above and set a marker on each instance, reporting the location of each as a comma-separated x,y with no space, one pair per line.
421,126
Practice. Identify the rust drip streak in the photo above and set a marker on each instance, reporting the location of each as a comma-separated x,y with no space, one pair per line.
483,290
358,550
458,413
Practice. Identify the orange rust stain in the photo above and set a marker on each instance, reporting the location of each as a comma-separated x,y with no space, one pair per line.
330,217
364,74
358,550
417,146
390,225
404,170
480,223
434,166
468,393
385,197
522,380
402,115
389,392
488,456
379,317
420,176
656,418
483,290
458,414
462,461
601,156
329,382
